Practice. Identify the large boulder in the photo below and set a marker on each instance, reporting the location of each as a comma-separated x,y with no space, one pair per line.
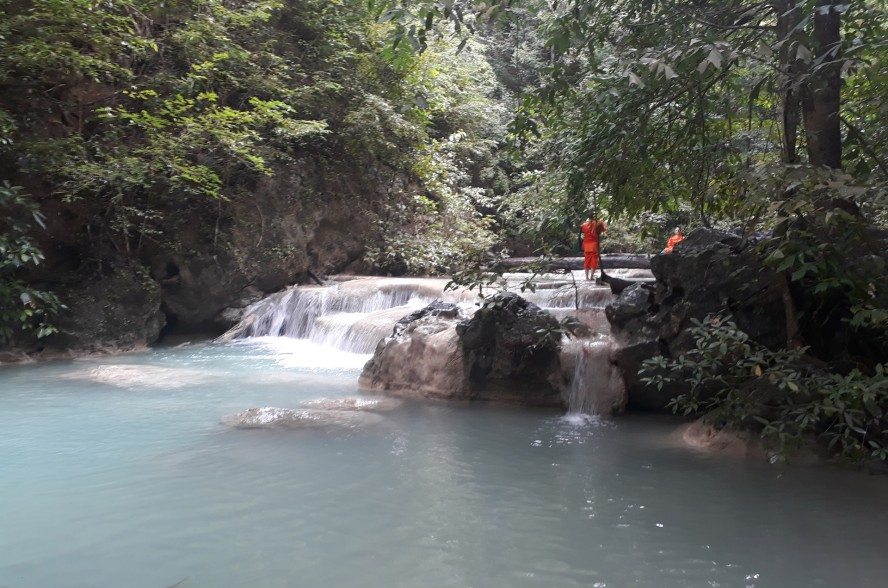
710,272
512,351
499,353
422,358
119,311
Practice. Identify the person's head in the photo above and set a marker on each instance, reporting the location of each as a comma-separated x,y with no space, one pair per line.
678,230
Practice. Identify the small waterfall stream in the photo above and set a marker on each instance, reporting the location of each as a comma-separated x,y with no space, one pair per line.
353,315
597,386
580,395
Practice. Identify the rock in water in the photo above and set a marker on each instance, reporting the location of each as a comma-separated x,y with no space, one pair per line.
269,417
507,351
422,358
142,376
709,272
353,403
512,352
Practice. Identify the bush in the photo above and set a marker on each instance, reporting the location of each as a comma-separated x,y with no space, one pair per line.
781,394
22,307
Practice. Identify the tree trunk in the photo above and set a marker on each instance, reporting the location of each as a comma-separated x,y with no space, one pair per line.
789,15
820,103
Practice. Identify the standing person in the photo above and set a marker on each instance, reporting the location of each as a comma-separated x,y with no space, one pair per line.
591,231
673,240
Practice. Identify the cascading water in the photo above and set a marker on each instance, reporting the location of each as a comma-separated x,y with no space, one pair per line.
353,315
579,400
597,386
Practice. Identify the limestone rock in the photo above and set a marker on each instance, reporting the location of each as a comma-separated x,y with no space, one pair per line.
499,353
709,272
422,358
118,312
216,257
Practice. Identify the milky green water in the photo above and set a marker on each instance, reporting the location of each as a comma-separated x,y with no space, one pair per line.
117,473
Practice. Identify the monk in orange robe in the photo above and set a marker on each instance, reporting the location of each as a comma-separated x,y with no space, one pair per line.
591,230
673,240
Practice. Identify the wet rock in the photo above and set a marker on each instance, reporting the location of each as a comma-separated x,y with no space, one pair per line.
353,403
499,353
445,310
709,272
422,358
634,301
593,381
269,417
512,352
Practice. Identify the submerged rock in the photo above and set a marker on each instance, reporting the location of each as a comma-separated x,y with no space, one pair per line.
141,376
269,417
353,403
704,436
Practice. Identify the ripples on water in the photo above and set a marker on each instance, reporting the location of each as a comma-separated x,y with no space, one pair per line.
117,473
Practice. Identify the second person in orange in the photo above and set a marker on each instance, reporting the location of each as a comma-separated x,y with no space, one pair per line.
674,240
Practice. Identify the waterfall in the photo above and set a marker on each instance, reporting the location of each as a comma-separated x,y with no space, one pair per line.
569,296
581,393
597,386
353,315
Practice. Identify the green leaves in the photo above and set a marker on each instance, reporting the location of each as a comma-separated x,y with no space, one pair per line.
741,384
23,309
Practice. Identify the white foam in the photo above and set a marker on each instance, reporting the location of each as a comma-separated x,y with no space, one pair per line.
302,353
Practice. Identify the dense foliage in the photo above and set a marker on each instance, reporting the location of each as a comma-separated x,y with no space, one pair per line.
22,307
742,384
119,116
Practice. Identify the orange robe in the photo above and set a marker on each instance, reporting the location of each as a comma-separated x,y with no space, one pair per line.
672,242
591,233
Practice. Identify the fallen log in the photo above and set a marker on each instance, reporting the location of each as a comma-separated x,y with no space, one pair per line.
608,261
